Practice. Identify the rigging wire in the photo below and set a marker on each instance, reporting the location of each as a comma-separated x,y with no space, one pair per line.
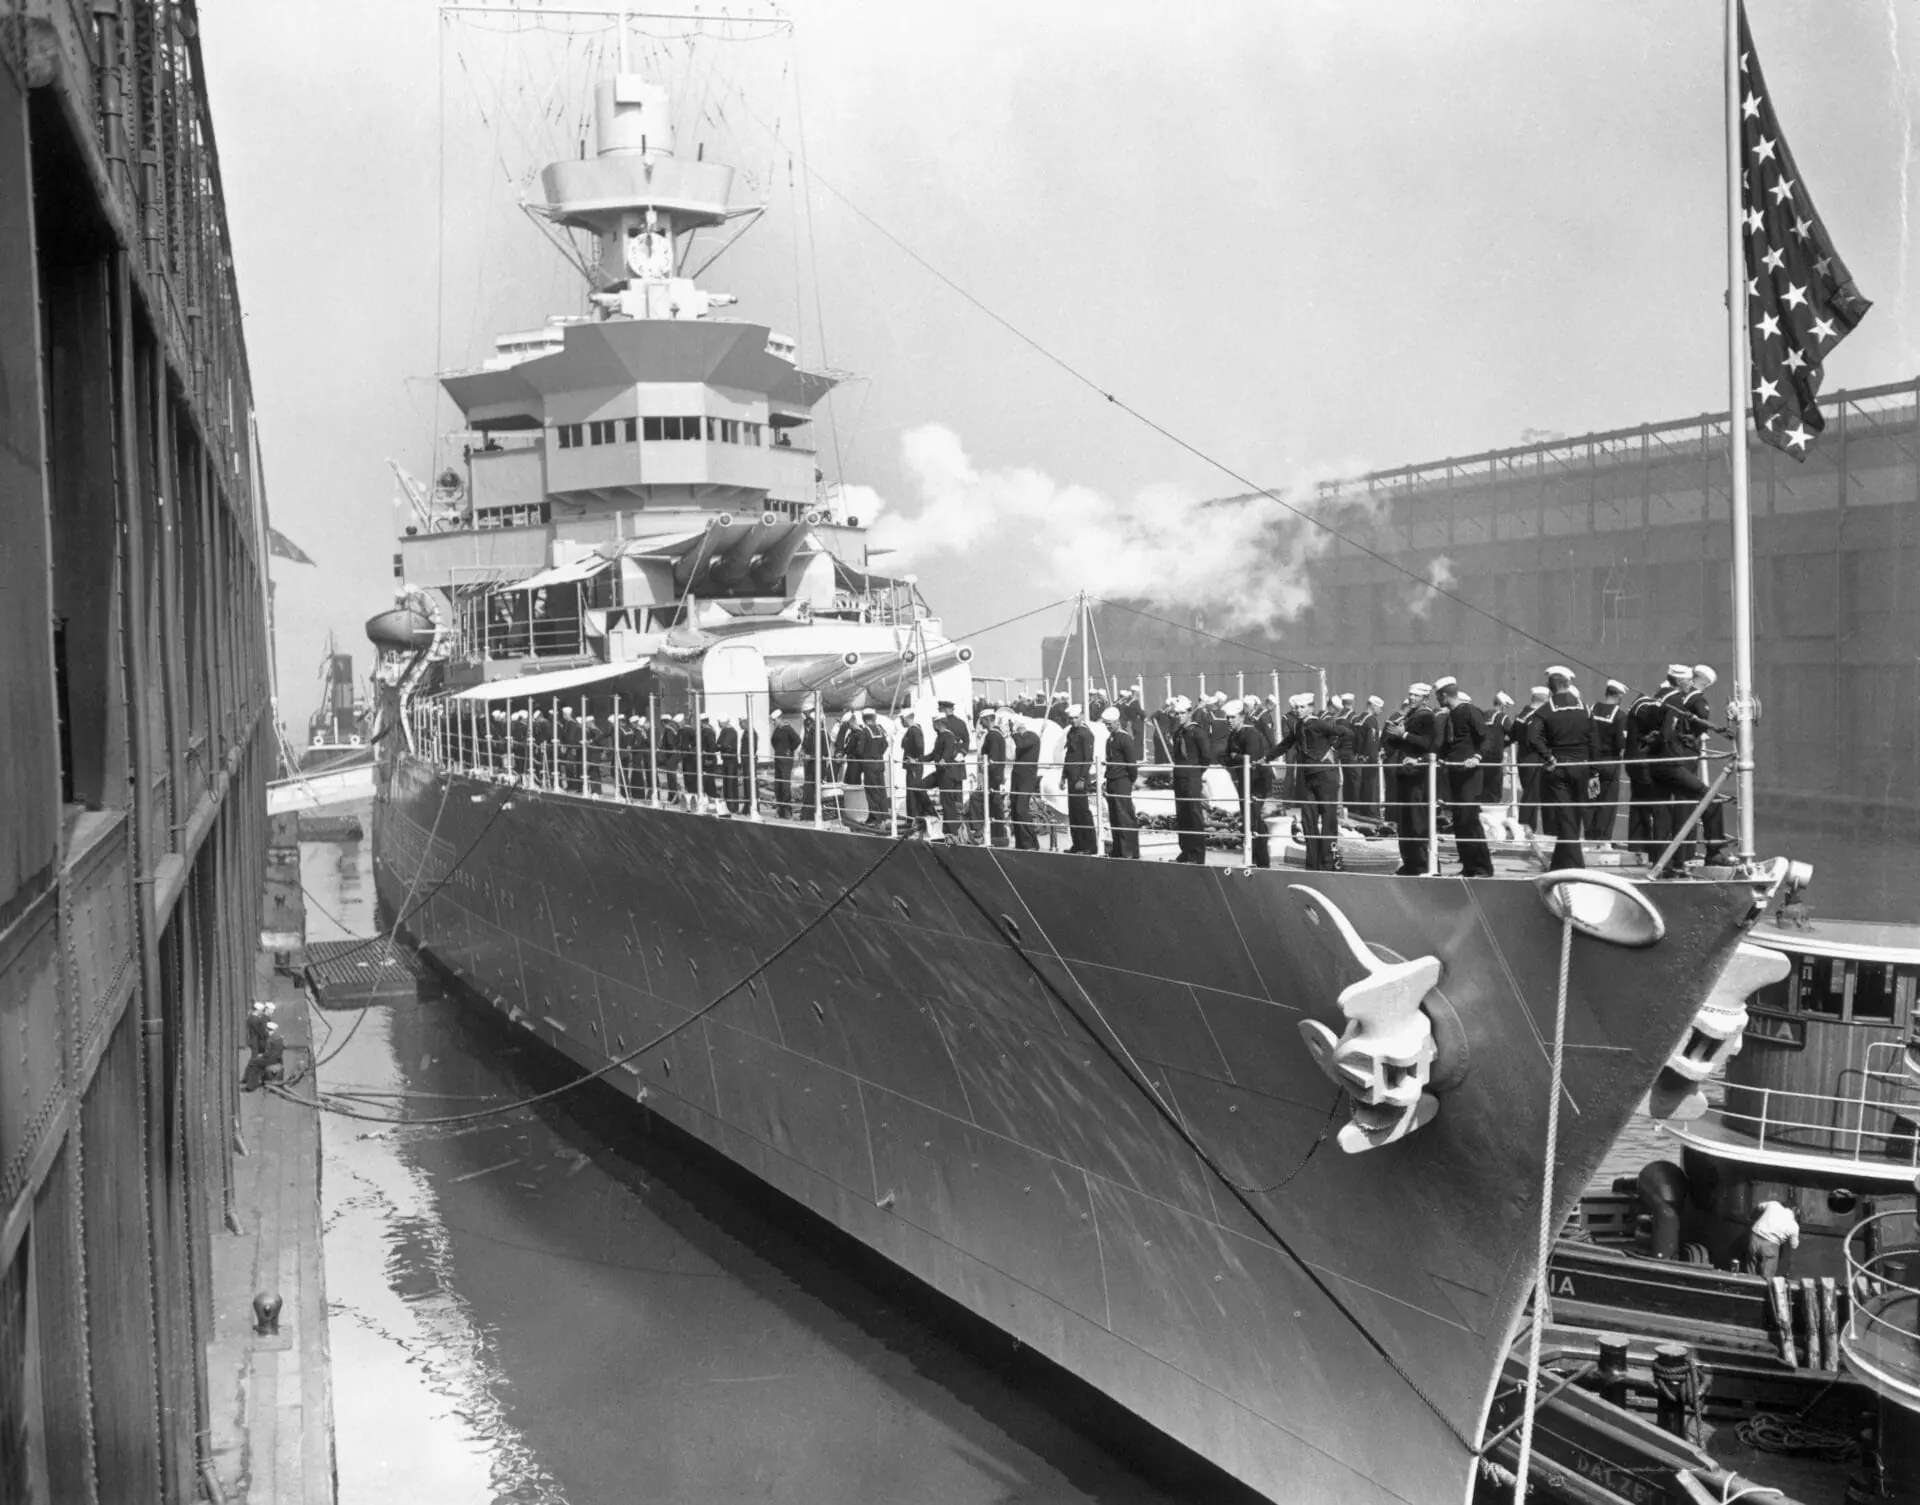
813,254
1253,488
322,1104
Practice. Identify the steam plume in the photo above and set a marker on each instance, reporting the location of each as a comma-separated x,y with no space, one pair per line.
1244,558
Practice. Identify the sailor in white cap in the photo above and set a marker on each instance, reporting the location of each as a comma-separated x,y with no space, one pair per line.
1649,811
913,772
1077,771
1246,757
1561,733
1360,783
1123,766
1689,717
1408,741
1610,744
1526,757
1311,741
1461,734
1192,752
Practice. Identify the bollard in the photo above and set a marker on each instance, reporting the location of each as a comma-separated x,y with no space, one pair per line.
1611,1379
1673,1387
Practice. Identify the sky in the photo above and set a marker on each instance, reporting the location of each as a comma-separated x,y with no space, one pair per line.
1306,238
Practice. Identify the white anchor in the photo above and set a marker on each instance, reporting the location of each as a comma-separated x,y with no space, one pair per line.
1384,1057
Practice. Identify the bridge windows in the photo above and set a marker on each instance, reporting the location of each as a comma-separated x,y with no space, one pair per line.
603,430
571,435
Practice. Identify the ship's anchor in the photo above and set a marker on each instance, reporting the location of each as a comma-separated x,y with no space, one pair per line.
1384,1057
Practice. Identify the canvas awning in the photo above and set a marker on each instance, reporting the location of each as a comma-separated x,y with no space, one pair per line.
536,685
564,574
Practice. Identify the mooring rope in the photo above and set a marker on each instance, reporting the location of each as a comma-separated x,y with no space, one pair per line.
1545,1250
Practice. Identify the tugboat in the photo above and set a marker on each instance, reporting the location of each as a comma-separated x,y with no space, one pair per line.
337,731
1261,1154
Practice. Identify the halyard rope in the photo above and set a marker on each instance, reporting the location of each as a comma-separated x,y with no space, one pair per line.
1545,1250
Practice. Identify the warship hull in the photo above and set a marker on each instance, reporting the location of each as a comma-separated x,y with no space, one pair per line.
1073,1096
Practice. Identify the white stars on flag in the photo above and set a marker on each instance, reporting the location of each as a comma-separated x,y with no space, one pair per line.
1801,299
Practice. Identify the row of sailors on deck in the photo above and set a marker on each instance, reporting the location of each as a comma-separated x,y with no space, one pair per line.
1567,756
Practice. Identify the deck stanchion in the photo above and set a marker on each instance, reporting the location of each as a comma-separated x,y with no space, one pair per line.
1433,814
653,751
817,769
1246,810
893,819
750,736
619,768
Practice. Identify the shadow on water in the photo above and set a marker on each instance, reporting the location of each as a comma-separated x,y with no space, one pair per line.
577,1302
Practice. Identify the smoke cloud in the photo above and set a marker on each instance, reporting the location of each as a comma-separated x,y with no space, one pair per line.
1245,559
1440,571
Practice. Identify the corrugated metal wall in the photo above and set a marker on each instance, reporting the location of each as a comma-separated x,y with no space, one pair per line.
134,747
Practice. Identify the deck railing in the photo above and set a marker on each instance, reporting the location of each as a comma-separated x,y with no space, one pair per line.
1883,1279
1871,1130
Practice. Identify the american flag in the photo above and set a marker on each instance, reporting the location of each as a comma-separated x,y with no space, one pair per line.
1801,300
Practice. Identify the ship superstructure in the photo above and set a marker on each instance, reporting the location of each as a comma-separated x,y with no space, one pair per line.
1261,1154
642,501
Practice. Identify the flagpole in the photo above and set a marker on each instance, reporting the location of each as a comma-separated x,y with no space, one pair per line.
1737,449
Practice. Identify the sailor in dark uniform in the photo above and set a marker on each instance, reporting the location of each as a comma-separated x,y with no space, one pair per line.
1648,826
786,742
1526,761
1190,759
993,757
1367,724
870,746
1077,773
1462,735
1610,743
1687,722
631,765
950,746
1247,753
1408,740
1133,719
1493,751
710,784
1160,729
545,771
1562,737
1311,740
1123,767
1023,784
913,769
813,761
